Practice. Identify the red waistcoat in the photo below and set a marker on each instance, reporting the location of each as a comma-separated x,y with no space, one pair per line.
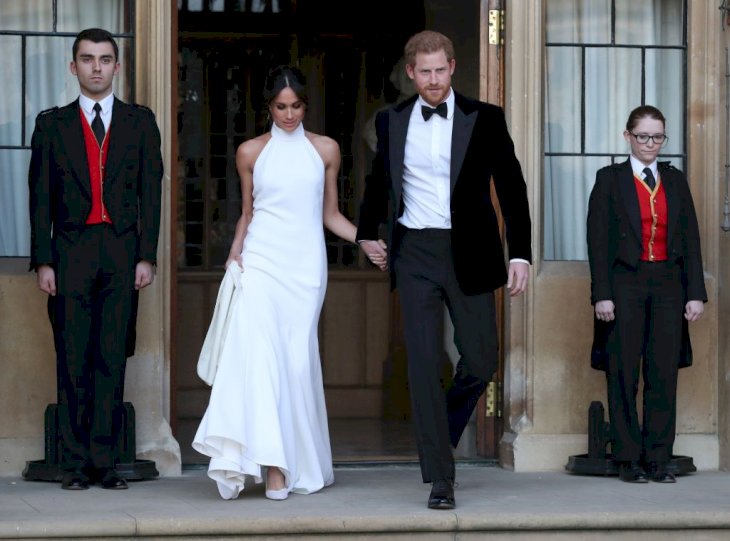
96,158
653,207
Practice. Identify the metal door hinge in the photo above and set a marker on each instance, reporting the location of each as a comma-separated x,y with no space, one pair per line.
496,27
494,399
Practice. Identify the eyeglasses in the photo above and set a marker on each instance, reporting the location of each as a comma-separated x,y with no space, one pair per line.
643,138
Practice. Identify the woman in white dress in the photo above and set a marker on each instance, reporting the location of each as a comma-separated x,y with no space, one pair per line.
266,417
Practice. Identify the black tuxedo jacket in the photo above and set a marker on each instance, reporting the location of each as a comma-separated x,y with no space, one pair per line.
60,187
481,148
614,237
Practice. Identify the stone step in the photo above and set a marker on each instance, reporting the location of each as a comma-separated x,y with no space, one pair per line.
379,502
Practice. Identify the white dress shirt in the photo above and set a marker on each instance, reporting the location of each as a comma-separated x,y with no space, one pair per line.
427,169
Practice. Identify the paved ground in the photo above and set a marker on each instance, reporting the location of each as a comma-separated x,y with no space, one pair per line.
389,500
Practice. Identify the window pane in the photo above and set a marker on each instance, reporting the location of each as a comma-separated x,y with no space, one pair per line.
655,22
568,184
216,5
613,88
14,219
123,80
562,100
664,89
34,15
75,15
49,82
578,21
676,162
10,105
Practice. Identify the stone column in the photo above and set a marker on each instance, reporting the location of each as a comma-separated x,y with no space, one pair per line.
148,372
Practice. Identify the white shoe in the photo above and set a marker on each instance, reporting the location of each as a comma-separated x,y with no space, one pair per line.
228,492
281,494
278,494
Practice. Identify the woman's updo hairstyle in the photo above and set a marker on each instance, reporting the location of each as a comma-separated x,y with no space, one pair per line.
644,111
282,77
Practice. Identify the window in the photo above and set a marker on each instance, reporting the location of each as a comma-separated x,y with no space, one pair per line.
603,58
36,38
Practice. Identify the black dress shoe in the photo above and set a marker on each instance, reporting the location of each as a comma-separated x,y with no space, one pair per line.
659,473
110,479
632,472
74,480
442,495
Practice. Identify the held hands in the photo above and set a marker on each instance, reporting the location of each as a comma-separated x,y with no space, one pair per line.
376,252
517,276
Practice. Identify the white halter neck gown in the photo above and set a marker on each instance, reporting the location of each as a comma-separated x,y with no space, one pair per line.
267,403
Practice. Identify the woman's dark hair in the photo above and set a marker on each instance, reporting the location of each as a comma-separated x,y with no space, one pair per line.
644,111
283,77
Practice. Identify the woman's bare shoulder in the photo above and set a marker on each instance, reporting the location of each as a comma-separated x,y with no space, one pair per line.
250,150
326,146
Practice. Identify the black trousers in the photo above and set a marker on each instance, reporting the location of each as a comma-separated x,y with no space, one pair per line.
90,316
425,279
647,336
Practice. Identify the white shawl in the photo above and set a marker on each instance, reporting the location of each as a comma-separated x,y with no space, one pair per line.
229,291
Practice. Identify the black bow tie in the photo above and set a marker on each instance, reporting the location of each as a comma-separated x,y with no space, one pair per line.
441,110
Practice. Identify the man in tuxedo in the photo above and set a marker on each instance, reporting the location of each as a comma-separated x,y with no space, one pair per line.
95,186
430,181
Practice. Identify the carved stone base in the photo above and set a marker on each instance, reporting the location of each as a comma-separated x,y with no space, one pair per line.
139,470
583,464
598,462
128,466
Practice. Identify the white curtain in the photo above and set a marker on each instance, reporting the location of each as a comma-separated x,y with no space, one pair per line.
591,85
48,82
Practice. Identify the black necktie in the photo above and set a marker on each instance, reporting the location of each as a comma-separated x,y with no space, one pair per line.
441,110
97,126
649,178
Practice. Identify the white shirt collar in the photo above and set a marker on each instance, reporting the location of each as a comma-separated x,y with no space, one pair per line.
638,167
87,104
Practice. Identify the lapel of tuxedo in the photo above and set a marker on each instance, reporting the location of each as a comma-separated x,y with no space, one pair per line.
668,182
71,137
398,128
119,133
627,188
462,127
